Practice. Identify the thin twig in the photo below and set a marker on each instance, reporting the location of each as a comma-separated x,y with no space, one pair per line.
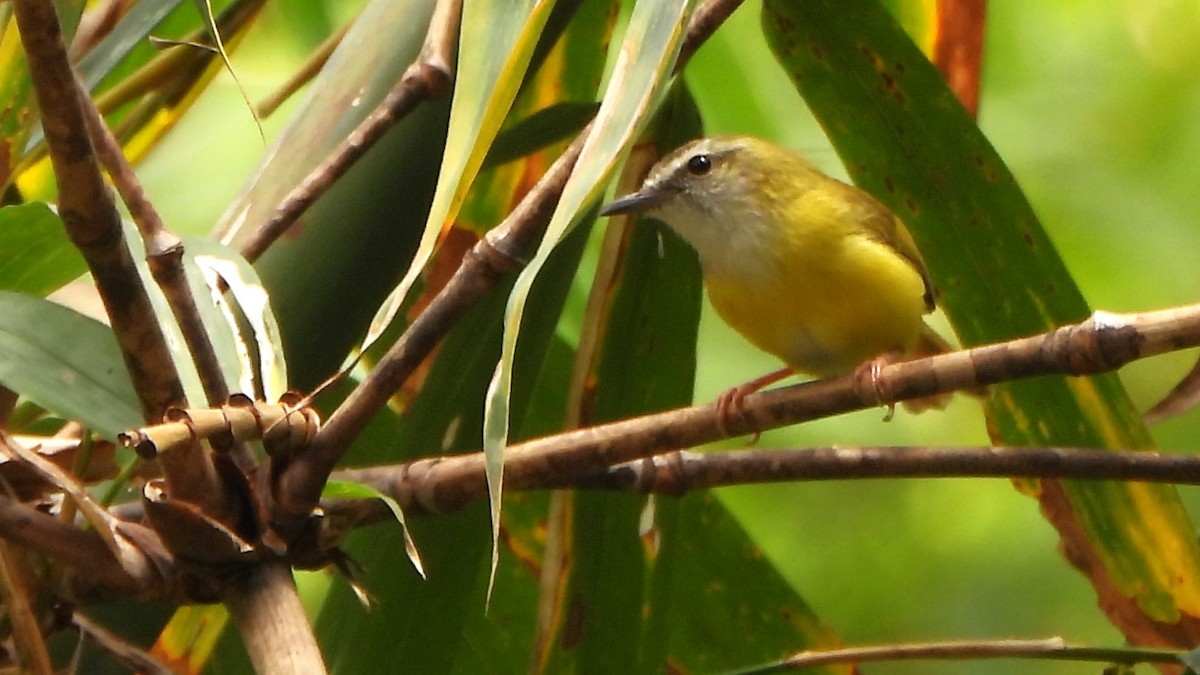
428,77
1052,649
164,255
129,655
305,73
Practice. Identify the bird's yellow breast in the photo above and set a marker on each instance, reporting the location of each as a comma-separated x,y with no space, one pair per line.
823,300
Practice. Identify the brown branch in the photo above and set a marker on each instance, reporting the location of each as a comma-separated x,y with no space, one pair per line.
164,255
421,490
264,604
92,223
503,251
1104,342
84,551
299,486
89,213
164,251
428,77
682,471
1052,649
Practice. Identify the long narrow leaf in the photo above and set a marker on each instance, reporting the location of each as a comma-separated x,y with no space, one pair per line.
65,362
904,136
486,83
651,43
35,255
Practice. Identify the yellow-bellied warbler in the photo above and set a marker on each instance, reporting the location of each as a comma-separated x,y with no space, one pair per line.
806,267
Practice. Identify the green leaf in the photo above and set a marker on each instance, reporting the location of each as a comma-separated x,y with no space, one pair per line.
327,277
648,52
65,362
35,255
502,37
904,137
556,123
129,32
211,267
335,489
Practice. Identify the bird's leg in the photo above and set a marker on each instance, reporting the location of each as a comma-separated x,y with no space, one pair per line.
732,400
868,373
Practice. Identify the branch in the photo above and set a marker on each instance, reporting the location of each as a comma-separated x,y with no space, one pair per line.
503,251
680,472
83,551
422,490
1103,342
127,654
264,604
428,77
89,213
92,223
1054,649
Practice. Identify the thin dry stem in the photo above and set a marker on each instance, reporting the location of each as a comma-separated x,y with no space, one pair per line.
90,216
137,660
428,77
1054,649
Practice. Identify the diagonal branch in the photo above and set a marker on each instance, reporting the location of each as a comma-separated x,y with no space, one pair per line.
89,213
428,77
503,251
90,217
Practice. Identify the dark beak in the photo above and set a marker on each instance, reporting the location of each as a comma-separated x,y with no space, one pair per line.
636,202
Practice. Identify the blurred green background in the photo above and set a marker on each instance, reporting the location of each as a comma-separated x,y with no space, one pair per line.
1091,104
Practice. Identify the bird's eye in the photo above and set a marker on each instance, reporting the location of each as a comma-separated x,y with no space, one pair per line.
699,164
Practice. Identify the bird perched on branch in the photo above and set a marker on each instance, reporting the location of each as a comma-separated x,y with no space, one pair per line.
807,268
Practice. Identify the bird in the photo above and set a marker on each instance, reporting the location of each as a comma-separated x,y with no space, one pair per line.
810,269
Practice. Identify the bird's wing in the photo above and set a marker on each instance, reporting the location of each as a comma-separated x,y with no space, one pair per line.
886,227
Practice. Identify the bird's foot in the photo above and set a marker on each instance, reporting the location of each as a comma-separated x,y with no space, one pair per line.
733,401
867,374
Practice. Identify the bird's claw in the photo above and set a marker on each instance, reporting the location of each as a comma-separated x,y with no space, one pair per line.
869,373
